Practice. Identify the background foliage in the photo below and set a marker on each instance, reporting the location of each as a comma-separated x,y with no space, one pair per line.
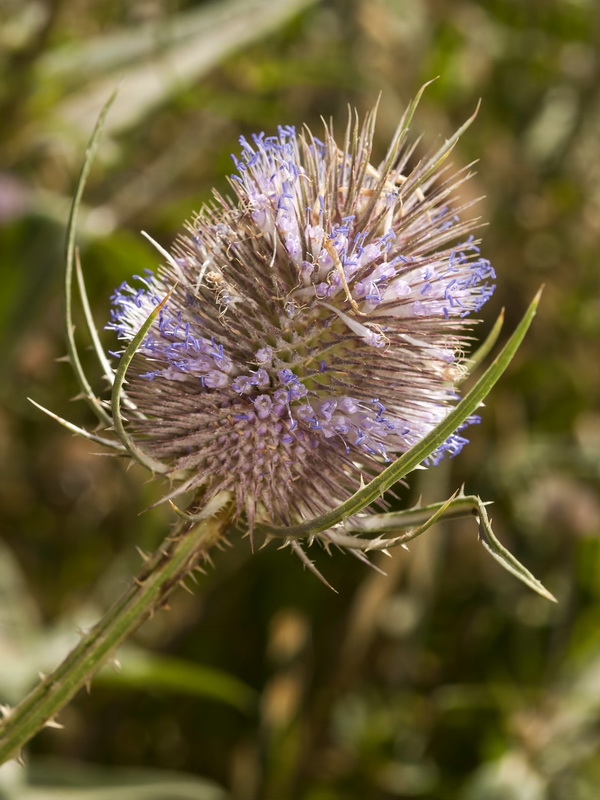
445,680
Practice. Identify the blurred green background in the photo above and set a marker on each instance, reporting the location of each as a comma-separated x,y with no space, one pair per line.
445,680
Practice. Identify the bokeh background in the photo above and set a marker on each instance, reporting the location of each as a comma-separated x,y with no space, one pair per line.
445,680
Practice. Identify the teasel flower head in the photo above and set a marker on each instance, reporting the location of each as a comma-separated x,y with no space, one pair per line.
315,324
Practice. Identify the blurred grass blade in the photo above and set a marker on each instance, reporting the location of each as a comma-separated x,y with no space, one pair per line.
140,669
62,779
417,454
158,60
20,627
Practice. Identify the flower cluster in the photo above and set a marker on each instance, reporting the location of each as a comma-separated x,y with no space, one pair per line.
315,324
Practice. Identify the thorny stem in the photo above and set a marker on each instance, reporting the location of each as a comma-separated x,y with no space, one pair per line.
162,572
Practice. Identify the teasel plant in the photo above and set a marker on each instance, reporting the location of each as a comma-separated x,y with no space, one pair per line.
297,354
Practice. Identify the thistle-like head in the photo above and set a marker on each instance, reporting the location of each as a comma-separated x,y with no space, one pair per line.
315,322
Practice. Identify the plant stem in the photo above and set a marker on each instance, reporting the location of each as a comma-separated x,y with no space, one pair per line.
173,561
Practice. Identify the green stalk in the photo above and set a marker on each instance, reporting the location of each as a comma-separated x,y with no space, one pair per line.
162,572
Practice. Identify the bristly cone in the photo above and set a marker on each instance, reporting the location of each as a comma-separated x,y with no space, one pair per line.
316,326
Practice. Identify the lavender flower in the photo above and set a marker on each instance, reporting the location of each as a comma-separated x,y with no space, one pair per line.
316,323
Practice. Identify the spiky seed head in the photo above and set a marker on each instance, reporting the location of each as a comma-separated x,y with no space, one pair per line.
315,326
